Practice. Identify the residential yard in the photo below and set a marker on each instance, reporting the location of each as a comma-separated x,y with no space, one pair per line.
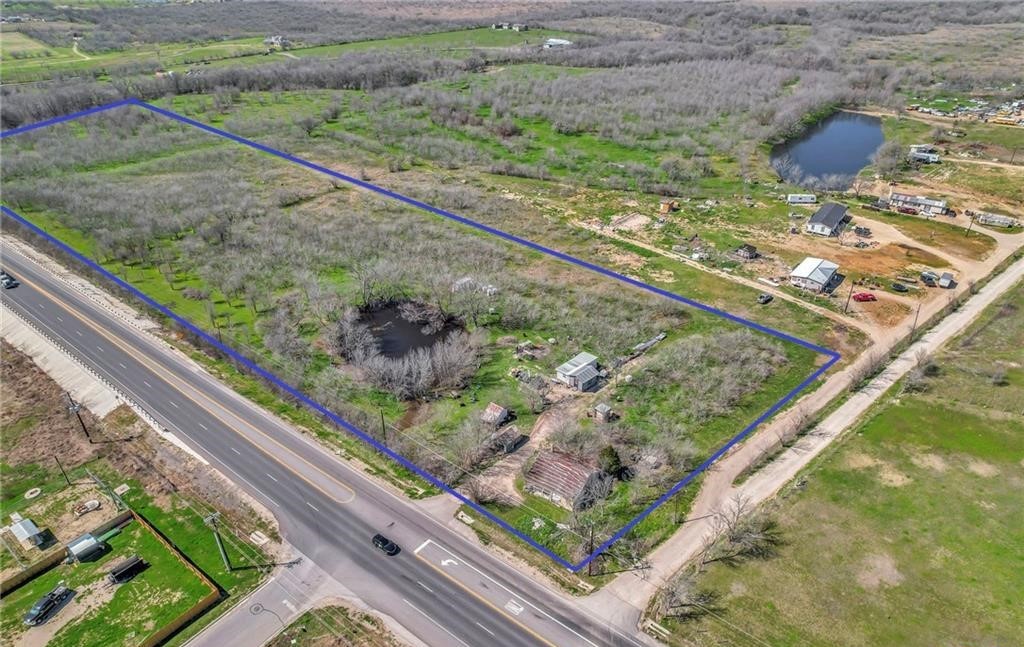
914,514
102,613
167,488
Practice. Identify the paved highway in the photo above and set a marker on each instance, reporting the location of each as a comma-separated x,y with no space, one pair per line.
440,587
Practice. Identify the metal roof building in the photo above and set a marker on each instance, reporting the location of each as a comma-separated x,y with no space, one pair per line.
815,274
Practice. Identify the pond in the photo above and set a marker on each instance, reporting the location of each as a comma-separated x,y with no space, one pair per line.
396,335
831,153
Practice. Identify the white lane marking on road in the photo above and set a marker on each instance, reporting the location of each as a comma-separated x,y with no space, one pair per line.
60,318
78,332
291,607
513,603
121,364
425,586
312,506
421,547
173,404
147,384
203,426
236,451
41,305
246,481
99,348
438,624
485,628
272,478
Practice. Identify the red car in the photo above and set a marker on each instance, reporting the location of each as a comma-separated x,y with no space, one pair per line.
864,296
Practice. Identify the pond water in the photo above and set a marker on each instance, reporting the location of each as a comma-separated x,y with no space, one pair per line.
831,153
397,336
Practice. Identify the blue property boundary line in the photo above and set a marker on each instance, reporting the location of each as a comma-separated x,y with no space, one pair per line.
832,355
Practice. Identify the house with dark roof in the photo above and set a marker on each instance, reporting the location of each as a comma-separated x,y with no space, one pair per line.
829,220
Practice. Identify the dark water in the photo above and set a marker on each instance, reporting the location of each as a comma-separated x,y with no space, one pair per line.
396,336
831,153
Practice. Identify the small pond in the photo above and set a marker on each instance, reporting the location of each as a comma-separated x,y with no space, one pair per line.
831,153
396,335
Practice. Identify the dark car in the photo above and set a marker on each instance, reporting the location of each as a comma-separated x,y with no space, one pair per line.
46,605
764,298
899,287
8,281
386,545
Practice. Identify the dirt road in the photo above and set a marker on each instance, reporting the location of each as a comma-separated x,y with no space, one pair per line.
719,493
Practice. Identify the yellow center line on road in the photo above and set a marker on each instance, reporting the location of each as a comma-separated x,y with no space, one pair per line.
179,385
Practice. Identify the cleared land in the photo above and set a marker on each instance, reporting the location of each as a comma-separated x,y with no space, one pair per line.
901,521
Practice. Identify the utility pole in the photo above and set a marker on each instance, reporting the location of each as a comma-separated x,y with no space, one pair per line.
383,429
211,521
61,467
1013,155
969,225
848,297
590,564
913,328
76,408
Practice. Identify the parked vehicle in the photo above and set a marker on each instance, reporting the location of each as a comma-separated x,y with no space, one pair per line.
764,298
899,287
46,605
389,547
907,210
8,281
930,279
861,297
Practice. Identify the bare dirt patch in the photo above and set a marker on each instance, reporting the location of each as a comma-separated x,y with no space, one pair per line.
892,477
630,222
981,468
861,461
85,600
928,461
879,570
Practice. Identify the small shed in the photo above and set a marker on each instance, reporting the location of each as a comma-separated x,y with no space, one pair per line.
566,481
26,531
494,415
84,547
747,252
947,280
604,413
580,372
668,206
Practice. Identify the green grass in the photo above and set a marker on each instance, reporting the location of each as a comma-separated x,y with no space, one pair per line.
941,235
913,515
152,599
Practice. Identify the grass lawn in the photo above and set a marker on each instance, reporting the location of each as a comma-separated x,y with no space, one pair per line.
935,233
914,515
136,609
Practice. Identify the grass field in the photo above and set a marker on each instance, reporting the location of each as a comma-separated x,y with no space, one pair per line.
915,514
935,233
123,616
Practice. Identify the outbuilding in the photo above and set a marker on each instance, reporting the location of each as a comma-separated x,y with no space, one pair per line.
580,372
746,252
919,203
801,198
84,548
947,281
26,531
494,415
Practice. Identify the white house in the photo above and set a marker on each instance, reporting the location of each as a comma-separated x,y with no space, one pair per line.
580,372
829,220
814,274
